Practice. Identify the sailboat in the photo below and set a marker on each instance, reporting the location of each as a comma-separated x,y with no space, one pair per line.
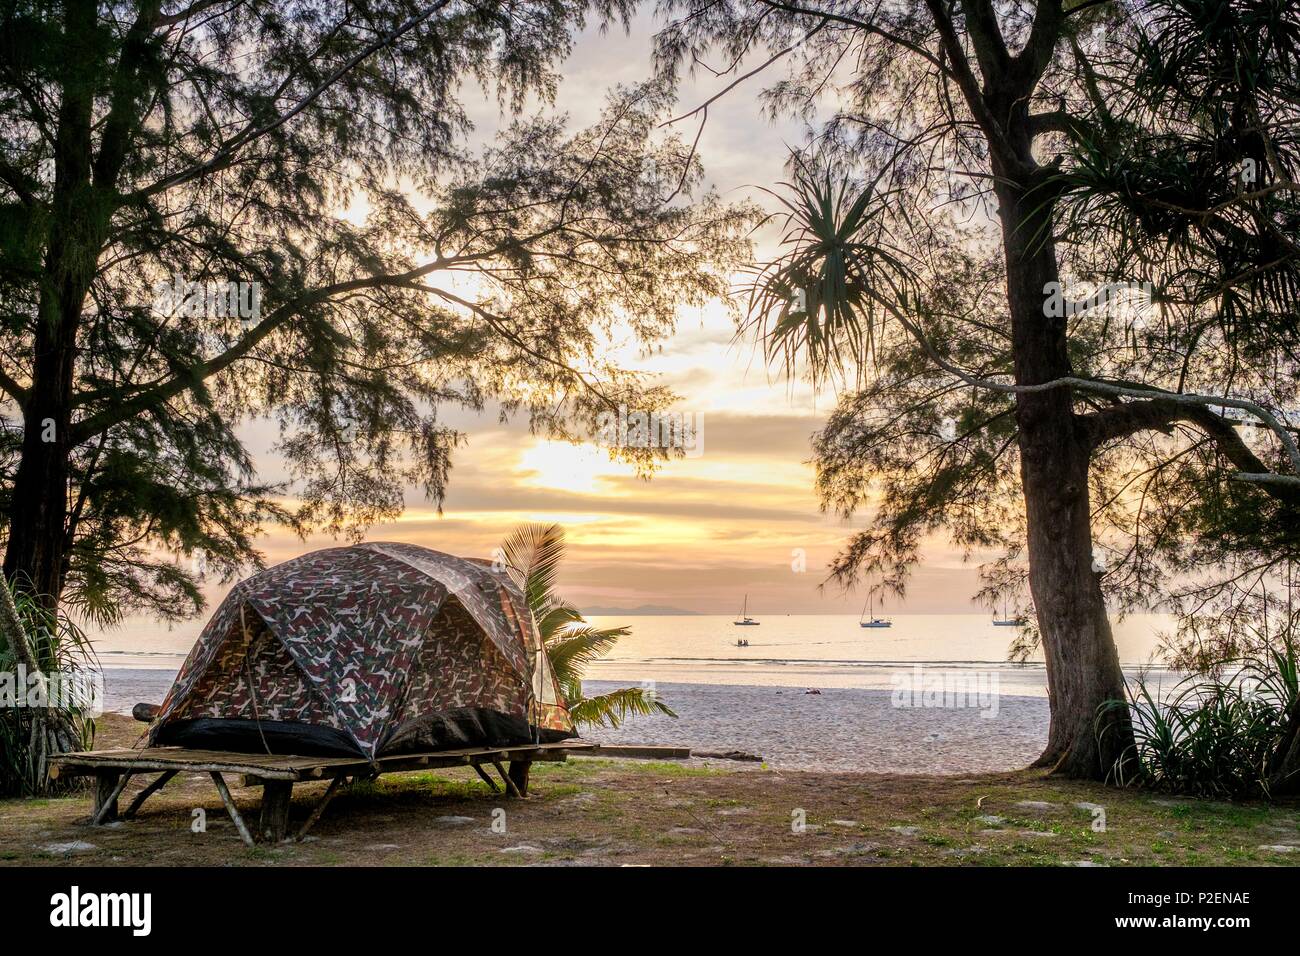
1006,621
745,620
871,620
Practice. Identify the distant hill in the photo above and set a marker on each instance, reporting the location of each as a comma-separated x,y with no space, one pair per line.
643,610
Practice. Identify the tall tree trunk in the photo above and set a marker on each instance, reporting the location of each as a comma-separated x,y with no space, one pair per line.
36,555
1284,765
1083,670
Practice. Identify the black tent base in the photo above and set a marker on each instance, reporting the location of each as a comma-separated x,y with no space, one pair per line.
454,729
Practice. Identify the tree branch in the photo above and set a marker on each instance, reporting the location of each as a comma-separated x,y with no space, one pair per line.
100,422
1106,388
181,16
986,38
121,113
867,27
972,91
24,187
13,389
1058,121
1159,413
1028,65
227,153
500,326
704,107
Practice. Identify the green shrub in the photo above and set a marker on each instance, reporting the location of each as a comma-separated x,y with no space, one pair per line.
29,735
1215,735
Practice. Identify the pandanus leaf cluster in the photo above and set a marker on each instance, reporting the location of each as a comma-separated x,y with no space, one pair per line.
822,301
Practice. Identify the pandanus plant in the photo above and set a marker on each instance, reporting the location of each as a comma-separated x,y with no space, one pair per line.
840,275
43,643
532,554
1230,733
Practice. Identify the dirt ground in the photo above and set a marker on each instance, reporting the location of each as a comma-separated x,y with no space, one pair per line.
614,812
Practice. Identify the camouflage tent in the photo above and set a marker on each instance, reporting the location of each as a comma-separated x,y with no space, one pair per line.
370,650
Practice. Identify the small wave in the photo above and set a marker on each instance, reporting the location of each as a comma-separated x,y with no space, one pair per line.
831,662
781,661
142,653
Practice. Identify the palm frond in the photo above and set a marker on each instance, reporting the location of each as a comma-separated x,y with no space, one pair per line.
577,645
555,615
533,553
610,710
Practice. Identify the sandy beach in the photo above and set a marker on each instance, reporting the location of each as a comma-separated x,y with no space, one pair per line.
842,730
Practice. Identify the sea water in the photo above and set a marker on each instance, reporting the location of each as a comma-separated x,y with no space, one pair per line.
797,650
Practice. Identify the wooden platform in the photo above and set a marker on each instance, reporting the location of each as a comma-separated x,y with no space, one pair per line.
277,774
263,767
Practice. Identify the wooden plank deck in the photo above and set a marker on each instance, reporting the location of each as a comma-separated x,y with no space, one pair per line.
262,767
277,773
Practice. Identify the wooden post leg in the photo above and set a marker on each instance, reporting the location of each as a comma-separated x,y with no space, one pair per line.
146,793
511,789
107,791
519,775
492,784
273,824
320,807
235,817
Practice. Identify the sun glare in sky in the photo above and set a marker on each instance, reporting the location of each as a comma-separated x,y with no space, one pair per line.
581,469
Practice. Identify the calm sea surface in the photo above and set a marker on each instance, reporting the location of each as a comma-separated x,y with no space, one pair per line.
787,650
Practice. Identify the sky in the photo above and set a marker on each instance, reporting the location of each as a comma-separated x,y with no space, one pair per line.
741,518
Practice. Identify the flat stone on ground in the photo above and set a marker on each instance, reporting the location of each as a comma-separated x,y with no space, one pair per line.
75,846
